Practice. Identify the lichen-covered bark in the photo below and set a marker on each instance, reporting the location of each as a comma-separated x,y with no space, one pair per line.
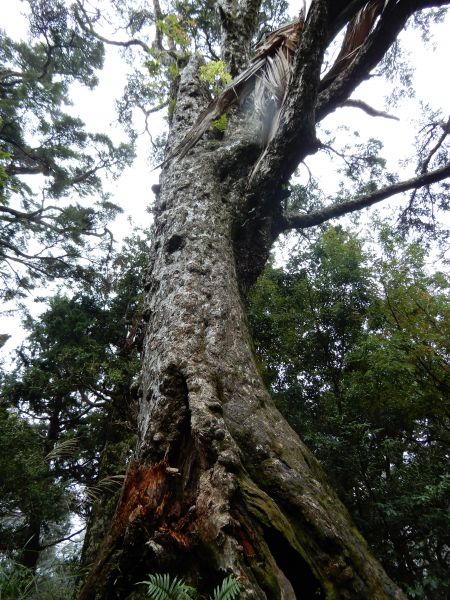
220,483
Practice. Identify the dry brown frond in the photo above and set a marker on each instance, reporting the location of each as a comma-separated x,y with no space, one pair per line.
66,449
108,484
358,31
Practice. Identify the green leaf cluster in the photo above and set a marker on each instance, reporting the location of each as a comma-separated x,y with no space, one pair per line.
215,74
355,348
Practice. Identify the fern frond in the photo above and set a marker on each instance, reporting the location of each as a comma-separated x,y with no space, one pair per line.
164,587
228,590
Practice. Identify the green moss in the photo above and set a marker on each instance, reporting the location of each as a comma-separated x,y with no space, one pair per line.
268,513
221,123
171,107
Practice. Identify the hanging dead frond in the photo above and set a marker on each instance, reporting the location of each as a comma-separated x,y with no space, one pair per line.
357,32
270,93
108,485
269,69
66,449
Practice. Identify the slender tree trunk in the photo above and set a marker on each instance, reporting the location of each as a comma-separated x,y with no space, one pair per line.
29,555
220,483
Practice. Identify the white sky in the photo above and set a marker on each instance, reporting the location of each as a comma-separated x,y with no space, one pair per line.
133,190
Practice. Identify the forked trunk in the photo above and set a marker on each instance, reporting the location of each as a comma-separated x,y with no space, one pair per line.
220,483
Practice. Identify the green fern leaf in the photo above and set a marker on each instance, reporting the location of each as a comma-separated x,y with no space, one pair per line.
164,587
229,589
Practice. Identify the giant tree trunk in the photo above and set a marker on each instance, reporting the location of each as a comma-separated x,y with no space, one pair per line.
220,483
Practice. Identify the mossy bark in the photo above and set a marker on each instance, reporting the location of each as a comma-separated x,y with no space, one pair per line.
220,483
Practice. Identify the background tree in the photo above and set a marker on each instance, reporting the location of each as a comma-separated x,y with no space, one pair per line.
355,350
42,237
67,404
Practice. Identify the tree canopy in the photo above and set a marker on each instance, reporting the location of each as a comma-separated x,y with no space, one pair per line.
41,236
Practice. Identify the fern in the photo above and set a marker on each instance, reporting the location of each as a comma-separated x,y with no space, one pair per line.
229,589
164,587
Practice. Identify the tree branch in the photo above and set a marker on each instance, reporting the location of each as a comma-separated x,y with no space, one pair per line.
391,22
62,539
86,26
373,112
338,210
446,130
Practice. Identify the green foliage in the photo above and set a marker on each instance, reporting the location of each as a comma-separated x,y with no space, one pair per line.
171,27
68,399
41,236
228,590
28,488
16,582
215,74
221,123
165,587
356,350
54,582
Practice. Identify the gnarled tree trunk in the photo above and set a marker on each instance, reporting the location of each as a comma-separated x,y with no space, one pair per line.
220,483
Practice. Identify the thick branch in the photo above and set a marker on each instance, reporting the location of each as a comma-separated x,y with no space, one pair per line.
390,24
338,210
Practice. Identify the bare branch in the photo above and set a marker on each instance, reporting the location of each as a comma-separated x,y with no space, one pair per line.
435,148
62,539
338,210
373,112
86,26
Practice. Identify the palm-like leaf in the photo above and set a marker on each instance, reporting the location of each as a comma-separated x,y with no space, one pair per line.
108,484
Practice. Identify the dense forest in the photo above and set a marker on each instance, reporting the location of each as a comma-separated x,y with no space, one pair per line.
256,391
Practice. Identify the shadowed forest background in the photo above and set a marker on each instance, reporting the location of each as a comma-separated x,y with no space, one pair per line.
349,319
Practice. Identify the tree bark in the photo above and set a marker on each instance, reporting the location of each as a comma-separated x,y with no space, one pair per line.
220,483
